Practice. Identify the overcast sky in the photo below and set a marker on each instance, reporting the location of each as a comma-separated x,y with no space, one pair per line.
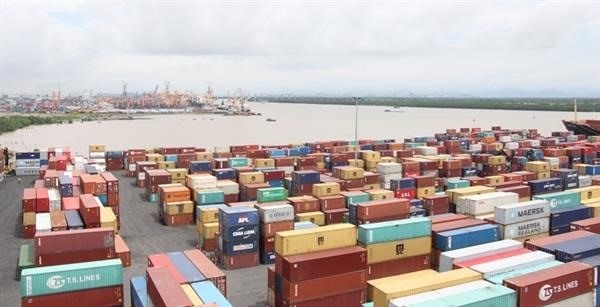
436,48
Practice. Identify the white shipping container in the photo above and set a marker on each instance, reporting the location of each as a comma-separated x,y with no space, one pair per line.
505,138
54,199
485,203
520,212
586,299
97,155
426,150
42,222
27,163
430,295
276,213
492,268
228,187
524,229
389,168
221,148
384,180
287,169
511,145
571,138
585,181
202,181
27,171
447,259
475,147
535,143
516,137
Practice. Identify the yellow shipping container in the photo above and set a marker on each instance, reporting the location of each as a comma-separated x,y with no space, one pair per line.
97,148
166,164
370,155
326,189
494,179
393,250
204,156
28,218
454,194
295,242
379,194
155,157
424,192
252,177
320,165
177,173
371,284
149,150
588,192
352,173
374,186
400,287
108,218
497,160
179,207
191,294
537,166
209,229
264,162
371,165
178,181
356,163
580,167
315,217
387,160
352,147
543,175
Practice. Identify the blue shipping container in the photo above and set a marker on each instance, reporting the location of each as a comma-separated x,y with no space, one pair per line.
114,154
27,155
559,230
403,183
304,150
236,233
234,216
416,203
239,247
544,186
292,152
73,219
185,267
224,173
575,249
276,183
276,153
207,292
304,177
104,199
469,171
200,166
138,291
171,158
568,215
592,169
267,257
465,237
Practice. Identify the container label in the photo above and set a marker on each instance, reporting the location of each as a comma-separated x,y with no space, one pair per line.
55,282
546,291
531,211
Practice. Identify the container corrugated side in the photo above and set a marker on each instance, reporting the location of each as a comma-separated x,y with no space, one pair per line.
512,263
492,296
427,296
524,229
276,213
398,249
485,203
561,200
316,239
401,286
71,277
138,292
209,293
447,259
520,212
394,230
465,237
586,299
499,278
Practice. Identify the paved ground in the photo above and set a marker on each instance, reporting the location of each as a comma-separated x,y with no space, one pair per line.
141,231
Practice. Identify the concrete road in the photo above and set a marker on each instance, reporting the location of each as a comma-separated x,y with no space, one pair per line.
140,230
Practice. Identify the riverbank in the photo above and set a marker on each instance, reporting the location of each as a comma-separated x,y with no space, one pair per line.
516,104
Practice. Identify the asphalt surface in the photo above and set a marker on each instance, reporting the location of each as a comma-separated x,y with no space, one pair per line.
139,228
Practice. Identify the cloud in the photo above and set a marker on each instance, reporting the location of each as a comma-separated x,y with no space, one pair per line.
278,47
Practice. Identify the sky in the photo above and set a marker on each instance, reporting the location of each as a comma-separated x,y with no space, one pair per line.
441,48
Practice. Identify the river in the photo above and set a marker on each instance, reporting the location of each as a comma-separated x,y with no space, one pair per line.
295,123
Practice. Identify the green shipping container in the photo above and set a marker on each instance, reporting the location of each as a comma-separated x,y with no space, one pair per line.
457,184
237,162
271,194
368,304
26,257
208,197
71,277
357,198
492,296
499,279
394,230
561,200
153,197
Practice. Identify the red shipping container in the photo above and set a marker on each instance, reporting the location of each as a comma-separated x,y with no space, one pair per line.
112,183
334,216
249,191
270,229
70,203
382,208
113,199
89,209
28,231
302,189
406,193
371,178
524,191
284,161
107,296
163,290
450,173
231,198
425,181
321,264
208,269
354,298
436,204
447,217
551,285
162,260
42,202
322,287
475,180
332,202
179,220
591,225
29,200
122,251
267,244
352,184
58,242
398,266
497,256
240,261
305,204
87,183
274,175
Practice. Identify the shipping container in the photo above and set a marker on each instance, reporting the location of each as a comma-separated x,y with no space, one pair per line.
524,229
276,213
491,296
394,230
73,219
447,259
508,264
230,216
499,278
106,296
465,237
210,271
138,292
561,200
208,293
443,292
484,203
295,242
322,287
566,216
398,249
520,212
163,290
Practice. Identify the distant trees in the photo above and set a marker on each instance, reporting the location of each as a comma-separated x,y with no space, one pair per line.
15,122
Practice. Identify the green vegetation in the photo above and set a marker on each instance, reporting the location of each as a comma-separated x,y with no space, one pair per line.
14,122
535,104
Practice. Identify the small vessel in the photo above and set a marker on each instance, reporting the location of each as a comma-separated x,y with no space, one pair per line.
585,126
271,120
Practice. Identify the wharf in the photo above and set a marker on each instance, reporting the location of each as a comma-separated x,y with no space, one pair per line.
139,228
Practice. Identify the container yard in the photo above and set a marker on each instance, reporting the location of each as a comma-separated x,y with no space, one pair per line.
465,217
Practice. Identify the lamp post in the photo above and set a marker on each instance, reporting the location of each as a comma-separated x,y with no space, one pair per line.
356,100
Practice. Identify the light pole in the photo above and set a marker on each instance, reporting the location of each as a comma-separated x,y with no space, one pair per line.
356,99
